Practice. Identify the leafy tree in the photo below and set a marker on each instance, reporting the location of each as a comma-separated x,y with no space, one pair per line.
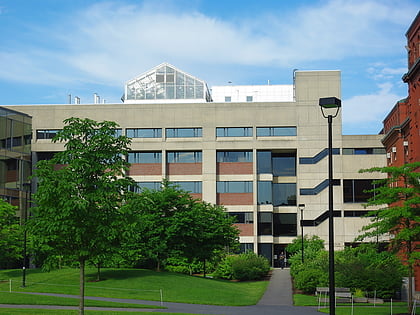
80,192
367,269
170,223
10,235
310,245
399,197
203,230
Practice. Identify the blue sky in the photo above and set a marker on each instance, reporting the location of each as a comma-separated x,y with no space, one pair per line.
52,48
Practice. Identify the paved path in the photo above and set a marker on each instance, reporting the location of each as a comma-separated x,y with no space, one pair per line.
277,300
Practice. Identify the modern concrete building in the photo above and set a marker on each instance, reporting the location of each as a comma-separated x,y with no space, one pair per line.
15,157
261,151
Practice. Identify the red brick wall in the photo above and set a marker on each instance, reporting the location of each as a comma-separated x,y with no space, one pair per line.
145,169
184,168
246,229
234,168
234,199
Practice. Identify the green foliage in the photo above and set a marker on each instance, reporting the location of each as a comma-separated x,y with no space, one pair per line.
78,203
313,272
360,268
79,195
247,266
170,223
398,196
366,269
10,236
224,269
311,245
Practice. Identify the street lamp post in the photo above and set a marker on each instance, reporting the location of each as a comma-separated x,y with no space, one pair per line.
333,104
301,207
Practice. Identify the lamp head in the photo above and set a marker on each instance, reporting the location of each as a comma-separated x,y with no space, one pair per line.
301,206
330,103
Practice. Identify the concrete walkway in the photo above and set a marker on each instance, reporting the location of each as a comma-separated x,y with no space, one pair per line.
277,300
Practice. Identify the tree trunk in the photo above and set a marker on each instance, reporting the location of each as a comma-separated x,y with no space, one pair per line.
98,273
410,287
82,287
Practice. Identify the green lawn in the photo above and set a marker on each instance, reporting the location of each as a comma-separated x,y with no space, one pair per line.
73,312
138,284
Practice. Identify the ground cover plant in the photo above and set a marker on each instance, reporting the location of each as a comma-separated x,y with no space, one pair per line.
18,298
70,312
139,284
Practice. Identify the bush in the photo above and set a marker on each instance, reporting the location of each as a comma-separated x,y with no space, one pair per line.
248,266
224,269
308,279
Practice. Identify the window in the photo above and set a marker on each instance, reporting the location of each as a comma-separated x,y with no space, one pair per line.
277,194
184,132
146,185
284,164
265,193
246,247
234,132
265,223
234,156
264,162
249,98
228,98
242,217
284,194
357,151
278,164
285,224
144,132
356,213
276,131
234,187
192,187
144,157
117,132
46,134
354,190
184,157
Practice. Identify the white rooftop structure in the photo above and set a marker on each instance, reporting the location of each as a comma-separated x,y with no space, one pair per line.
252,93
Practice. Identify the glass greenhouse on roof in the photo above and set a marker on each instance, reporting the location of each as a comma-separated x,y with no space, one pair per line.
166,82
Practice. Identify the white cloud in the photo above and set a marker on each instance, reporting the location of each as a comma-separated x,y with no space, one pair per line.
365,110
112,42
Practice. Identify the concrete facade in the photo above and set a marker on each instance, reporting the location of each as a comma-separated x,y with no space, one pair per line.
291,134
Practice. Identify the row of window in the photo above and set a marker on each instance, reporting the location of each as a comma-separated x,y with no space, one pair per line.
248,217
276,194
278,164
190,132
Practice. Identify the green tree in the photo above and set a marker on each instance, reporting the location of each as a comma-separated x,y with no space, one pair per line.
80,192
170,223
398,196
10,235
367,269
203,230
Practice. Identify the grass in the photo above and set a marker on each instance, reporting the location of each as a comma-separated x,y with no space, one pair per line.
30,299
73,312
138,284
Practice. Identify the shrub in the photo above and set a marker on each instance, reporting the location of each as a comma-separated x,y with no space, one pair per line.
248,266
308,279
224,269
